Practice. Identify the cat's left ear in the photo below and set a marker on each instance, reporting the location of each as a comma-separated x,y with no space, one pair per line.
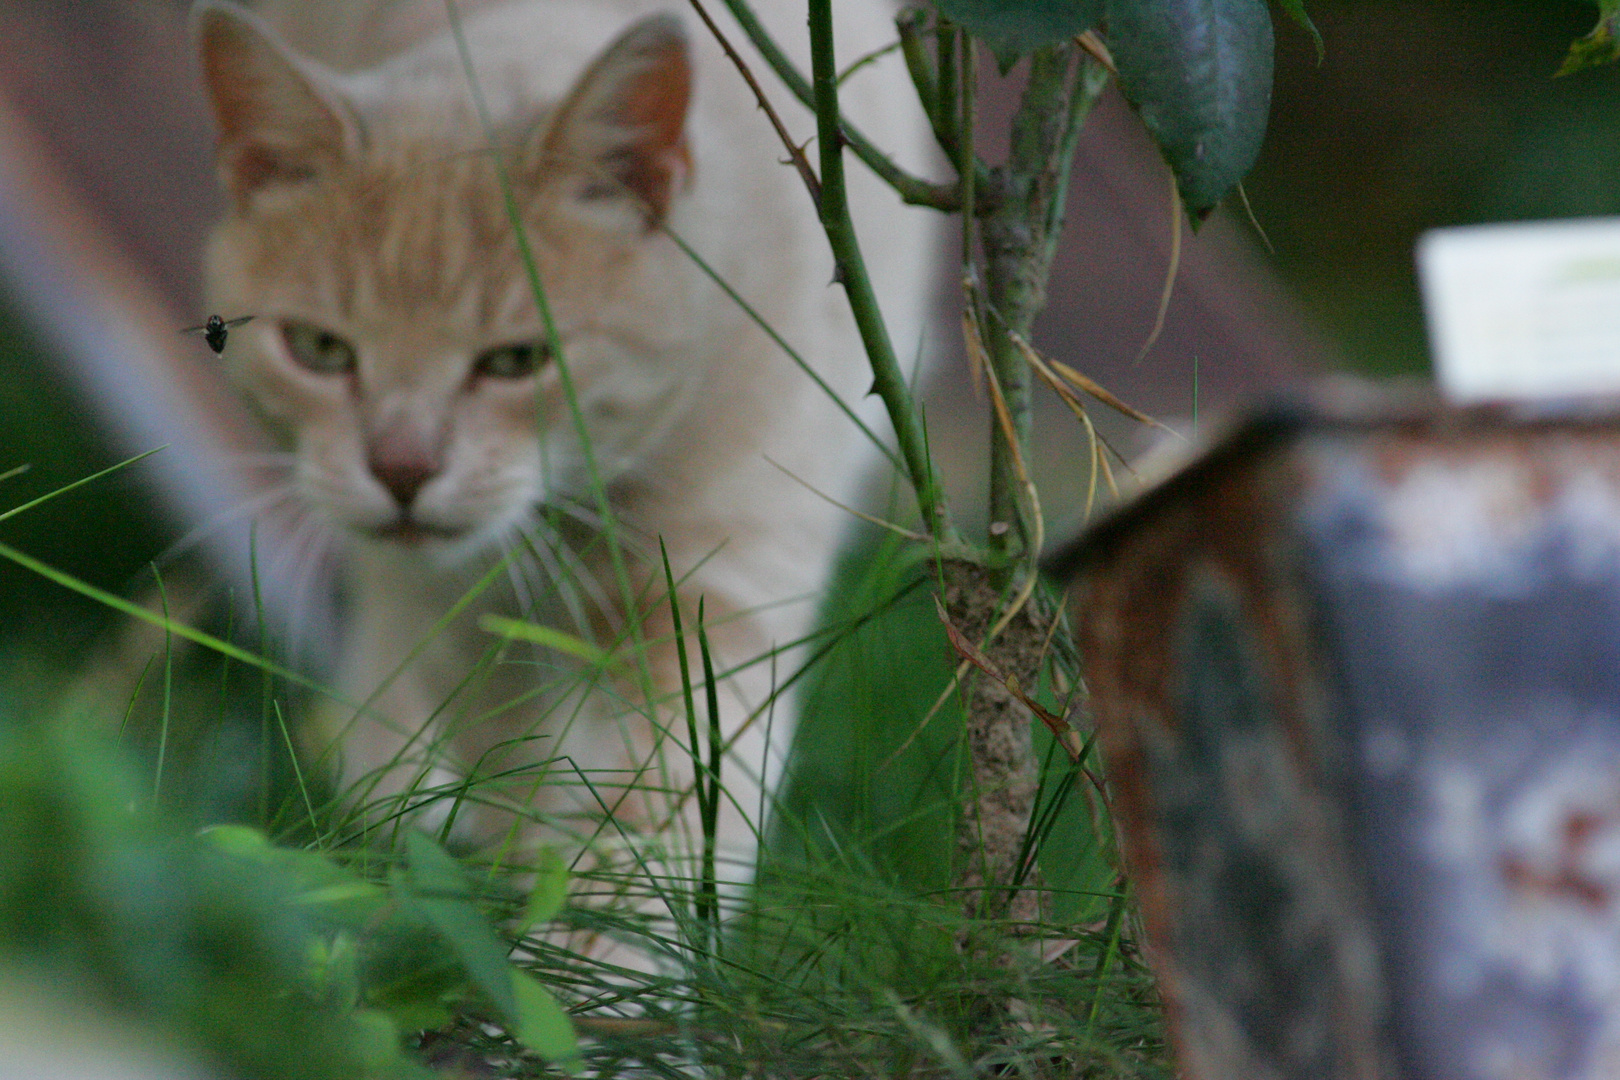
281,119
623,125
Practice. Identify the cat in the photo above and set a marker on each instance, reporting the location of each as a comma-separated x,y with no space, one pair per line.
398,353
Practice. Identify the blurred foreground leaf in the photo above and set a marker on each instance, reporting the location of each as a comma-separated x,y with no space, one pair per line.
440,890
550,889
269,962
202,941
542,1025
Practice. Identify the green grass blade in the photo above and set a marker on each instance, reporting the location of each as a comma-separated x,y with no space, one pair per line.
168,687
118,603
546,636
79,483
298,773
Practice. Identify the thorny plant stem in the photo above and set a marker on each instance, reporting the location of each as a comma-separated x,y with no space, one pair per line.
888,381
795,152
1020,237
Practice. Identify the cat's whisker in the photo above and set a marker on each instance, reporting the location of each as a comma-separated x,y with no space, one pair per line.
252,506
579,511
303,561
282,459
568,572
512,548
630,538
537,578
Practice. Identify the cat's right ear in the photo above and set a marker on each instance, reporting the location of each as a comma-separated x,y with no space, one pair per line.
623,125
280,119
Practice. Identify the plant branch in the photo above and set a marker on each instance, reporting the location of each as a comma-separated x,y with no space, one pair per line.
1020,237
888,381
795,153
911,189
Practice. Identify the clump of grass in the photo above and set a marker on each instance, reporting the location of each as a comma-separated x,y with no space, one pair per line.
850,954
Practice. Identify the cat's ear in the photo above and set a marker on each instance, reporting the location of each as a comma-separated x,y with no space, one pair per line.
280,119
623,125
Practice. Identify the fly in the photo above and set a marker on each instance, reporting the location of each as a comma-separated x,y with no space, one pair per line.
215,330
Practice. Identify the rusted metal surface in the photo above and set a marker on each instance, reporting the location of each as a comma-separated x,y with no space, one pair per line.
1357,687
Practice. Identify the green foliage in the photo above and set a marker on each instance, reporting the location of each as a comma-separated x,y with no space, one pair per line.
1601,46
1016,28
1199,74
439,889
269,961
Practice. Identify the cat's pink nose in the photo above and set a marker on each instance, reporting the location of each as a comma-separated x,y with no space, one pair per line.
403,476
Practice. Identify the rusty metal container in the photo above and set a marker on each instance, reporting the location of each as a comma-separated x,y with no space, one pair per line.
1356,679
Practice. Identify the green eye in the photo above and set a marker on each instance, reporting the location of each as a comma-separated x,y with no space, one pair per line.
516,361
321,351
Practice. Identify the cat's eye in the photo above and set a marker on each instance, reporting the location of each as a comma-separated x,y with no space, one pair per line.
320,351
515,361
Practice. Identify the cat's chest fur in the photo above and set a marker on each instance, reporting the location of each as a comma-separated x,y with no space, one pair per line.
401,353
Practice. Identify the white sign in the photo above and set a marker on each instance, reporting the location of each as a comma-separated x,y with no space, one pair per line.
1529,310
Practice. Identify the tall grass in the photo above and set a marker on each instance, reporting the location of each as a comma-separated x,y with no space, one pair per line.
849,957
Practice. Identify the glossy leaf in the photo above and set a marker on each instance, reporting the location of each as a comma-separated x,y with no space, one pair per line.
542,1025
1015,28
1199,74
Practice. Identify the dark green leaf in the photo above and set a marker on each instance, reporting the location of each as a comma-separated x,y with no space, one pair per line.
1601,46
1296,11
1015,28
1199,74
442,894
542,1025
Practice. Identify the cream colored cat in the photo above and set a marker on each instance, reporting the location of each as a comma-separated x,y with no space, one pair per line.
399,351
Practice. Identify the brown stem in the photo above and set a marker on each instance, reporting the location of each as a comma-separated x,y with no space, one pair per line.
1020,237
1002,777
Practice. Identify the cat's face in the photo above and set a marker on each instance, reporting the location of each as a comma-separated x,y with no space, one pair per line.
398,347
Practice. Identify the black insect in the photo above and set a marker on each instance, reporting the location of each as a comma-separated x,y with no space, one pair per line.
215,330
